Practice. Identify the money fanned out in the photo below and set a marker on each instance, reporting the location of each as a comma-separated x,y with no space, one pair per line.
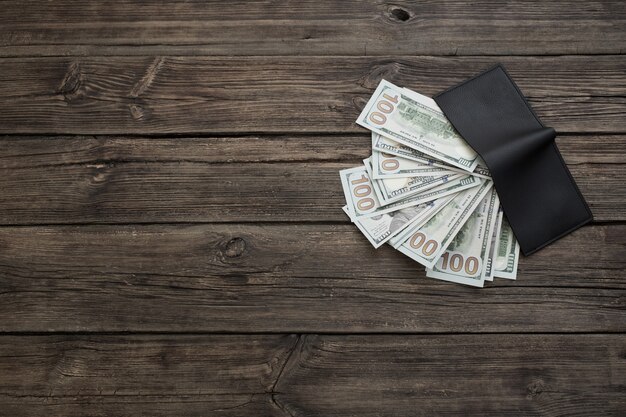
427,193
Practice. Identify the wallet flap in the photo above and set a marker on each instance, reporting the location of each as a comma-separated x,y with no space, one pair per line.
537,192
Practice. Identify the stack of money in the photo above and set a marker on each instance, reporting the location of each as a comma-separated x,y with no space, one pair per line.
427,193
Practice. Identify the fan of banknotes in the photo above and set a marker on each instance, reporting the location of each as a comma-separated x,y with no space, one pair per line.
427,193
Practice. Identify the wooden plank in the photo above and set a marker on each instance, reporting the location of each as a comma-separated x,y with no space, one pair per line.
32,151
373,375
491,375
312,27
141,375
111,180
291,278
148,95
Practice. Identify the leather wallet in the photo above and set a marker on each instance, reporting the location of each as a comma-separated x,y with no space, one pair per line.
537,192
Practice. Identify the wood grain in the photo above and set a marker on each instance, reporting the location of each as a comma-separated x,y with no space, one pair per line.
171,239
49,180
141,375
313,375
165,95
494,375
291,278
312,27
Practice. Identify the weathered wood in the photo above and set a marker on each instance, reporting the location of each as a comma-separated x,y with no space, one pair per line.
312,27
112,180
141,375
291,278
218,116
33,151
162,95
372,375
491,375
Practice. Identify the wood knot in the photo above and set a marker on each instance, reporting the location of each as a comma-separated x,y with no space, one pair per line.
535,388
71,83
398,14
359,103
136,111
100,172
379,71
234,248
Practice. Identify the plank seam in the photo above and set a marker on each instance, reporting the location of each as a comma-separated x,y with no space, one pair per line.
454,54
300,333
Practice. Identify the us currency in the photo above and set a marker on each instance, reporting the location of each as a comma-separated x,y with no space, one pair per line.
417,122
493,245
362,200
461,199
381,228
507,253
385,166
391,147
426,244
482,171
395,189
464,259
438,205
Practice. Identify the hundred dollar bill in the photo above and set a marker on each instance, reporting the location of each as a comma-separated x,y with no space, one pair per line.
395,189
359,192
426,244
417,122
507,253
385,166
464,259
391,147
482,171
362,200
465,197
381,228
492,247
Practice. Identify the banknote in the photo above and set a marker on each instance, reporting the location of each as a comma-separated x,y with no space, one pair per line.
458,198
417,122
494,243
437,206
482,171
464,259
381,228
359,192
395,189
362,200
391,147
426,244
507,253
385,166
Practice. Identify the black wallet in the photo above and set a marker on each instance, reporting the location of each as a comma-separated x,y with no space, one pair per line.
537,192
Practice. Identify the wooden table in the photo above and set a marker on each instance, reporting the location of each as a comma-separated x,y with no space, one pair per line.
172,240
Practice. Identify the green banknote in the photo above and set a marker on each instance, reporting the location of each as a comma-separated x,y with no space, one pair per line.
426,244
417,122
465,258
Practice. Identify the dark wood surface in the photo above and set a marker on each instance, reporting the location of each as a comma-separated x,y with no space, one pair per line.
227,95
171,238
